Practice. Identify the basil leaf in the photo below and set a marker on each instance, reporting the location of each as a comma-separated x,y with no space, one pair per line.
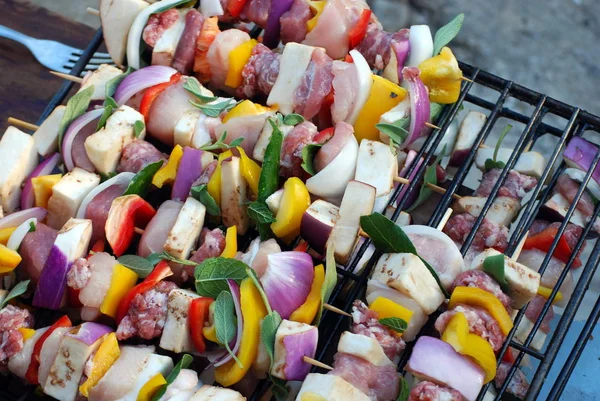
397,131
76,106
170,258
154,258
201,194
111,85
108,110
404,390
330,281
225,326
185,361
16,291
425,192
215,109
390,238
394,323
293,119
106,177
494,266
143,267
280,390
308,157
138,128
260,213
31,227
179,3
445,34
212,274
269,176
268,332
193,86
252,274
491,164
140,184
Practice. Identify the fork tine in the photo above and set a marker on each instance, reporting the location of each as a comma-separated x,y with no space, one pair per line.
94,60
89,67
79,52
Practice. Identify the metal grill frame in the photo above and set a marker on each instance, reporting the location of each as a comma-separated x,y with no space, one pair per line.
350,285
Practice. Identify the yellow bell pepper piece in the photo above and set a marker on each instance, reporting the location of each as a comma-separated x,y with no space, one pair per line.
308,310
230,243
210,333
105,357
151,387
545,292
123,279
238,58
458,336
9,259
245,108
250,171
294,203
167,173
253,311
26,333
387,308
5,234
42,188
214,184
317,7
482,299
385,95
442,75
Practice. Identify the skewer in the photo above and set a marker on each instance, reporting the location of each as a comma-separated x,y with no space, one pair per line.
138,230
93,11
519,248
445,219
68,77
336,310
316,363
22,124
433,187
430,125
466,79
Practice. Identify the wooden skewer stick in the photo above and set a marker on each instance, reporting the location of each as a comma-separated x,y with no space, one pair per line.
22,124
93,11
517,251
466,79
316,363
68,77
430,125
336,310
362,233
138,230
433,187
445,219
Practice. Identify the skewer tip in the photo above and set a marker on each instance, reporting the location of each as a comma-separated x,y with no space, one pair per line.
466,79
316,363
336,310
22,124
68,77
430,125
92,11
138,230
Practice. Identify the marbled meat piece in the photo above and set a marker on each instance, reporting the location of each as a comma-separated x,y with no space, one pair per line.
12,319
481,280
158,24
366,322
315,86
293,22
259,73
517,386
212,244
137,155
379,383
291,150
34,250
375,46
489,234
515,186
428,391
257,11
534,310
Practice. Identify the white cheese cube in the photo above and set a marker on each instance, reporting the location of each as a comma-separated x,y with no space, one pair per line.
165,48
104,147
186,230
212,393
19,158
46,137
376,166
363,347
176,335
523,331
67,195
398,112
185,127
529,163
331,388
502,211
233,196
98,80
407,274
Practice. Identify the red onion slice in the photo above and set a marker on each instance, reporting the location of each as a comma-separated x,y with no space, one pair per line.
44,168
17,218
120,179
14,242
142,79
580,154
419,104
235,292
73,130
401,49
273,28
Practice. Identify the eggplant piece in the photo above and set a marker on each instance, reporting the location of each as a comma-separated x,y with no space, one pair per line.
556,208
358,201
46,137
317,222
363,347
448,140
503,209
176,333
528,163
398,112
185,232
117,16
293,341
19,159
467,134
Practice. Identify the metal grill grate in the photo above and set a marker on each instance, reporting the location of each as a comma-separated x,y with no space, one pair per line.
352,286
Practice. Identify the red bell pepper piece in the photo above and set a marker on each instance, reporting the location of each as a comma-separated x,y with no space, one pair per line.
348,59
509,356
126,214
152,93
235,7
301,247
543,241
197,316
97,247
324,135
357,34
160,272
32,371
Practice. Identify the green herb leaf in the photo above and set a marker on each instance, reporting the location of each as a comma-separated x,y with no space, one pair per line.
293,119
220,145
185,361
434,110
212,275
16,291
185,3
390,238
425,192
330,280
106,177
491,164
404,390
308,157
260,213
215,109
76,106
225,326
31,227
236,142
143,267
171,258
280,390
193,86
394,323
201,194
138,128
445,34
112,85
268,331
494,266
140,184
269,176
154,258
108,110
397,131
252,274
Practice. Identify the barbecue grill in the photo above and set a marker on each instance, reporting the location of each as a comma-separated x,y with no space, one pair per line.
545,119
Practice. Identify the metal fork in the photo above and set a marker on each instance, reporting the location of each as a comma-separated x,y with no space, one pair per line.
55,55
